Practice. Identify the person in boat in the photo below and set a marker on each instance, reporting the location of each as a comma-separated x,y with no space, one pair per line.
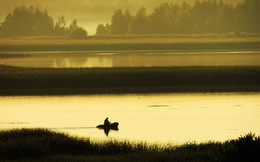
106,122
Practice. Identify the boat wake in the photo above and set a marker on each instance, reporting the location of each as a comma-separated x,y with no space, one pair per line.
62,128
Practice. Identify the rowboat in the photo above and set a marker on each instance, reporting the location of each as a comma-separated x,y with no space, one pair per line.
112,126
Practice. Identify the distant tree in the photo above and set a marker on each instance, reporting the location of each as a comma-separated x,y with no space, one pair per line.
108,28
73,25
140,23
184,23
127,19
120,22
226,18
44,23
0,26
247,17
78,33
162,19
116,22
101,30
62,22
27,22
205,16
60,26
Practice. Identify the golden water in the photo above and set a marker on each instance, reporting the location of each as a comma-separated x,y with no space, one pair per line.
134,59
162,118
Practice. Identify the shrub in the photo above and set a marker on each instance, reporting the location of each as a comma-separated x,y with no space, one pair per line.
78,33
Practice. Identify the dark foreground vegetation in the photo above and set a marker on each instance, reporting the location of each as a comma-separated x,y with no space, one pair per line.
46,145
40,81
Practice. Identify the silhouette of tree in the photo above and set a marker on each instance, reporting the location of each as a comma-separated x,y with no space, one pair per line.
33,22
140,23
73,25
127,20
27,21
163,18
226,18
108,28
248,16
0,25
101,30
60,26
205,16
43,23
120,22
183,22
76,32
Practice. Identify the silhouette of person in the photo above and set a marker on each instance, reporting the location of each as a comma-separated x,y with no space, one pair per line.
106,122
108,126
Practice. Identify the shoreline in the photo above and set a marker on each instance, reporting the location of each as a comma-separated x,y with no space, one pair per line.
254,45
134,42
129,90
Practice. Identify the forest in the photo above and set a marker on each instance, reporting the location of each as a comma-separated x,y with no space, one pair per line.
207,16
33,22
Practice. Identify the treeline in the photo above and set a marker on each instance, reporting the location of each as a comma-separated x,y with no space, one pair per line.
33,22
208,16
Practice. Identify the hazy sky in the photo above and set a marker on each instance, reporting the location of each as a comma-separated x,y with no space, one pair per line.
89,13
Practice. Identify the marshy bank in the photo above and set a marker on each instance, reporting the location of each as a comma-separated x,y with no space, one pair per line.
142,42
48,81
45,145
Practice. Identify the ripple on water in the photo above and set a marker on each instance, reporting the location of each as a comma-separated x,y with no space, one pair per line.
158,106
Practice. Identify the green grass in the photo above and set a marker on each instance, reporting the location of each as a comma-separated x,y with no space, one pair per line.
46,145
17,80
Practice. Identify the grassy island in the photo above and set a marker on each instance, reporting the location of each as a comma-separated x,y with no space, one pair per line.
51,81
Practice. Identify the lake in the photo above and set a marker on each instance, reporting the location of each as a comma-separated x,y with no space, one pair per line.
163,118
83,59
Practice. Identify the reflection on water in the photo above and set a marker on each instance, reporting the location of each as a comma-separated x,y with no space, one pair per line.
107,130
135,59
174,118
81,62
